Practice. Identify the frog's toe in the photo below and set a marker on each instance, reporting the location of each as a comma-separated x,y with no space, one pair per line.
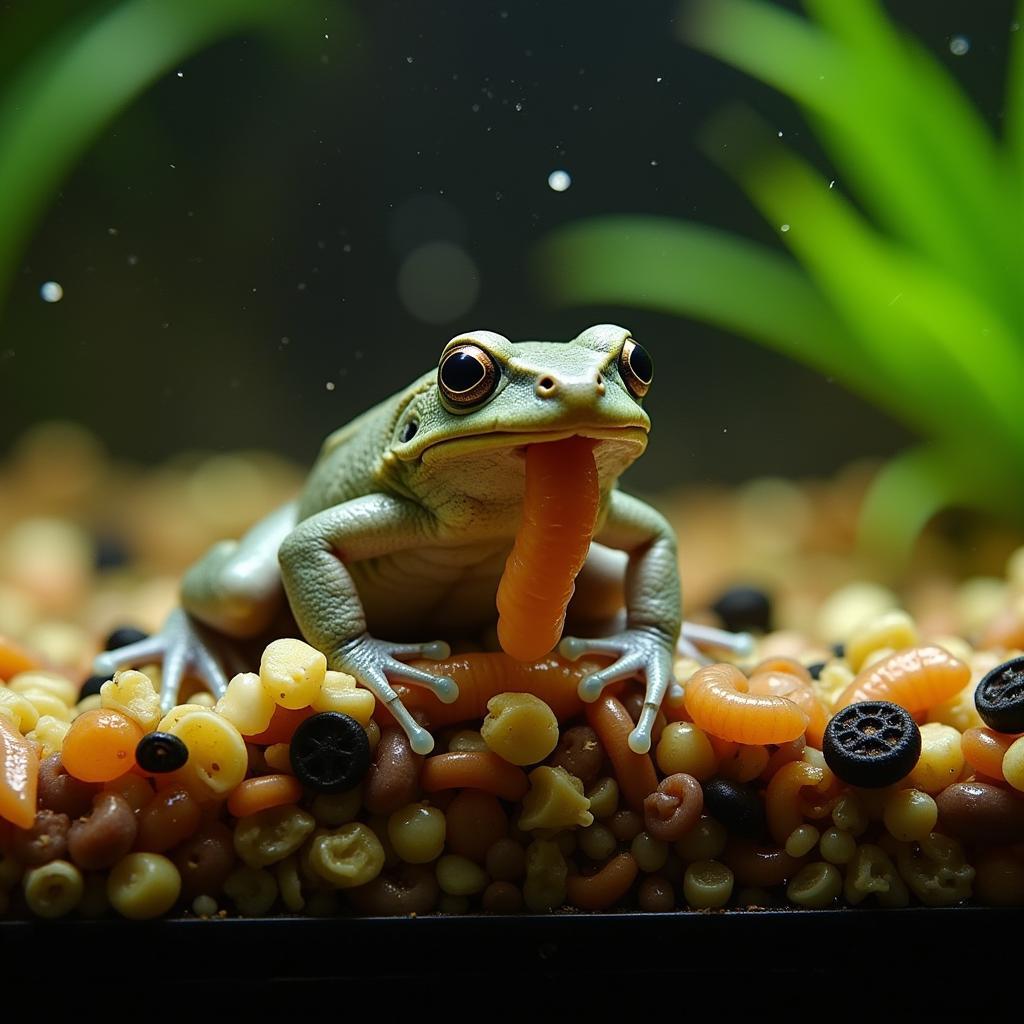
444,688
139,653
592,686
420,740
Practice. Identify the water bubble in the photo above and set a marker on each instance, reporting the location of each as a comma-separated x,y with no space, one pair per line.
785,227
329,385
959,45
51,291
559,181
181,74
438,282
780,135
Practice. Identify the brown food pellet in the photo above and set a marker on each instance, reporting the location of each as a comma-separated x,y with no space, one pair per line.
410,889
105,836
169,818
674,807
61,792
580,753
656,895
979,812
506,861
46,840
502,898
626,825
205,861
759,866
394,776
475,822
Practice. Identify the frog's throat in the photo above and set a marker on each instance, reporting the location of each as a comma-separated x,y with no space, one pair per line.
560,508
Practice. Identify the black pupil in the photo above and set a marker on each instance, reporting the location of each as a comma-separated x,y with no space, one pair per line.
640,363
462,371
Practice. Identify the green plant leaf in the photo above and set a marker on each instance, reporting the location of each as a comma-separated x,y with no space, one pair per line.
66,94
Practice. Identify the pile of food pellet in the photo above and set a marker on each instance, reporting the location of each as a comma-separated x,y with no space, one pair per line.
861,755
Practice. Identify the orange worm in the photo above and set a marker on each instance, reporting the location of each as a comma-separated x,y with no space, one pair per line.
916,679
474,769
19,776
560,507
262,793
604,888
635,772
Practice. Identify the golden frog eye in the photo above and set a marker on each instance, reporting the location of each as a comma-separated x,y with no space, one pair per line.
467,375
636,368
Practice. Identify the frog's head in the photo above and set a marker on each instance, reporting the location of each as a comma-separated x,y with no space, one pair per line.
491,397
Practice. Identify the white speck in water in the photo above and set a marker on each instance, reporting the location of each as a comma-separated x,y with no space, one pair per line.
519,107
785,227
658,79
329,385
181,74
559,181
832,183
347,247
408,60
133,260
959,45
326,36
780,135
111,231
654,163
725,430
51,291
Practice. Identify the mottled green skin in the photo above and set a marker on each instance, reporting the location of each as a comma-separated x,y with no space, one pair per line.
408,539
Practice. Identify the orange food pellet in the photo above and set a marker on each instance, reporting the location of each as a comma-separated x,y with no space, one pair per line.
474,769
718,700
14,659
984,749
262,793
604,888
635,772
19,776
798,688
560,506
916,679
100,745
282,726
475,821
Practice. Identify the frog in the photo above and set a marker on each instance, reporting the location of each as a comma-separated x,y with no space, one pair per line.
408,515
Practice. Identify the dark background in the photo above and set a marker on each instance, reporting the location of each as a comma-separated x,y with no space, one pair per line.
233,241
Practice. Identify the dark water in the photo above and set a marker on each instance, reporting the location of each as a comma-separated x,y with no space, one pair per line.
232,249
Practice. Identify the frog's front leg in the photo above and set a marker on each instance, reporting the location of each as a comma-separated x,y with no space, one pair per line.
653,606
326,605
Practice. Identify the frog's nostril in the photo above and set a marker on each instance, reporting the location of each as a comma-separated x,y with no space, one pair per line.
546,387
599,381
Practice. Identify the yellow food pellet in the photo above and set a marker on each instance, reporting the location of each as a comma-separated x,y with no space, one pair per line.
802,840
459,876
247,704
252,890
49,733
850,814
337,808
941,760
649,853
204,699
271,835
217,758
349,856
685,748
289,884
204,906
893,629
18,709
546,872
292,672
520,728
604,798
49,682
705,841
46,703
910,815
372,734
555,800
848,609
143,885
837,846
278,757
707,884
872,873
467,740
1013,764
417,833
134,695
339,692
936,870
54,889
835,677
815,886
175,715
90,703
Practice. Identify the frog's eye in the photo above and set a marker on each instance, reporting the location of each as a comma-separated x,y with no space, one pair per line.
636,368
467,375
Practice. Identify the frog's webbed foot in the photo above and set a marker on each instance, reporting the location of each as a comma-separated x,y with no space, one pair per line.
373,662
181,646
637,651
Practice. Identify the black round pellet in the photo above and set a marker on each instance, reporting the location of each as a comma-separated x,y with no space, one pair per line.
999,697
839,650
815,669
330,752
737,806
872,743
743,608
123,636
110,553
160,752
91,686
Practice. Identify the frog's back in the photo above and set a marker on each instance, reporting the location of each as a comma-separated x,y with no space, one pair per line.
356,459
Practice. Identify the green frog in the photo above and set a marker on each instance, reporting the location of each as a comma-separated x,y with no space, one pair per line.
409,514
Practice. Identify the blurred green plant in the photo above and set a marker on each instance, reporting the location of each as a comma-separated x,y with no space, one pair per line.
914,298
78,74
